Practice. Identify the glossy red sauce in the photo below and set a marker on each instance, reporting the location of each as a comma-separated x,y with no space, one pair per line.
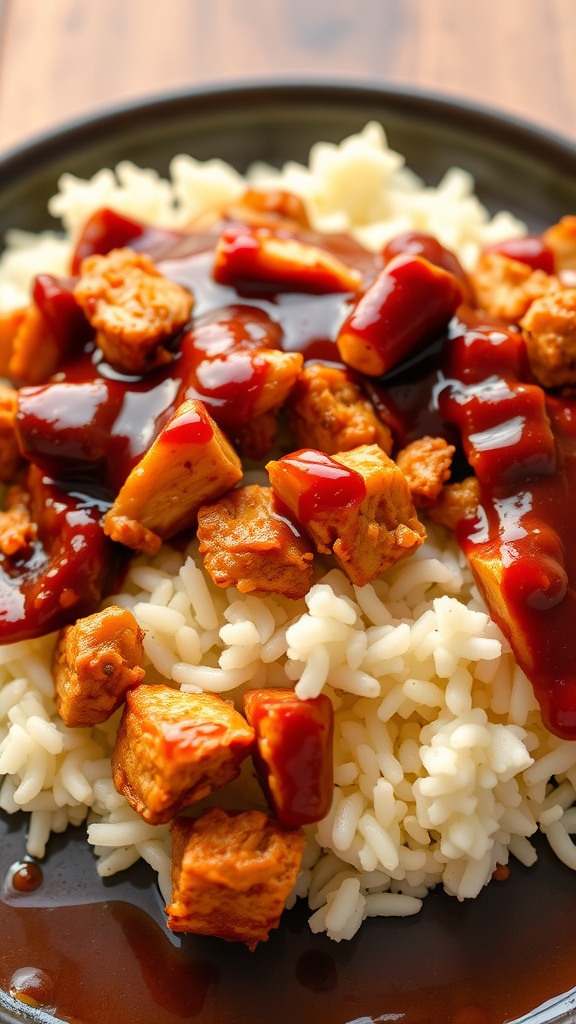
294,756
521,443
322,484
532,250
190,427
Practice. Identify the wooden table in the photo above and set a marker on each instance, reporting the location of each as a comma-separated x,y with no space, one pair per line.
61,59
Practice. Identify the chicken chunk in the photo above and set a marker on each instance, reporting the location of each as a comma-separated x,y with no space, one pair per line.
17,530
561,238
294,755
36,352
231,874
505,287
355,505
549,329
10,457
328,411
270,209
96,661
190,463
134,308
10,324
455,502
174,748
248,543
426,466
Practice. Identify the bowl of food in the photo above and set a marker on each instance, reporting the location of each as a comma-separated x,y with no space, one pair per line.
287,576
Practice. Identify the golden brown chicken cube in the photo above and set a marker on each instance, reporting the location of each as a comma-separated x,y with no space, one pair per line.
190,463
10,457
504,287
174,748
133,307
355,505
561,238
35,351
549,329
248,543
10,324
327,411
426,465
455,502
96,661
232,874
17,530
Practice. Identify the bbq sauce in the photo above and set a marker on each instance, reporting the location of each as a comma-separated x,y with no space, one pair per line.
107,954
318,484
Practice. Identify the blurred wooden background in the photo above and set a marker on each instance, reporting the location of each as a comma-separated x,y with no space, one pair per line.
60,59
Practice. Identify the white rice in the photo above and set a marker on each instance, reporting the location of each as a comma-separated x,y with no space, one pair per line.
442,765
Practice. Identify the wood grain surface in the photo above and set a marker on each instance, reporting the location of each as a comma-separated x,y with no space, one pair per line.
61,59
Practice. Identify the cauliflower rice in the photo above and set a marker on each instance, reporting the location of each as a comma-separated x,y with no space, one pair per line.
443,767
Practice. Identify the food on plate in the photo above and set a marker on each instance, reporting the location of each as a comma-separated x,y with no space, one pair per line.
232,874
134,310
190,462
96,661
247,543
339,664
293,756
355,505
175,748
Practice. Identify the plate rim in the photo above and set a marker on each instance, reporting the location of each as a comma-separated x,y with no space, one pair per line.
496,124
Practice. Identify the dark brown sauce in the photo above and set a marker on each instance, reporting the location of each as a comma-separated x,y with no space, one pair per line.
109,957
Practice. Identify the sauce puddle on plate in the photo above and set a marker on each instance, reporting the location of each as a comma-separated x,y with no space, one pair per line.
93,951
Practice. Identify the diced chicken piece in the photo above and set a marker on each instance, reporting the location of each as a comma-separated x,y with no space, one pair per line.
96,662
294,755
257,256
505,288
249,544
561,238
232,874
549,329
190,463
36,352
328,411
426,466
355,505
455,502
134,308
278,374
17,531
10,457
174,748
10,324
273,208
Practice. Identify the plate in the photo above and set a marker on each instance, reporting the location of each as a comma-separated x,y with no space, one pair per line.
103,944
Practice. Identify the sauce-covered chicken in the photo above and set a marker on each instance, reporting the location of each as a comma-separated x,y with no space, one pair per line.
293,755
190,462
328,411
355,505
174,748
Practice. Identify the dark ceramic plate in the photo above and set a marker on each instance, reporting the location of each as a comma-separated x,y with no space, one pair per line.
103,945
